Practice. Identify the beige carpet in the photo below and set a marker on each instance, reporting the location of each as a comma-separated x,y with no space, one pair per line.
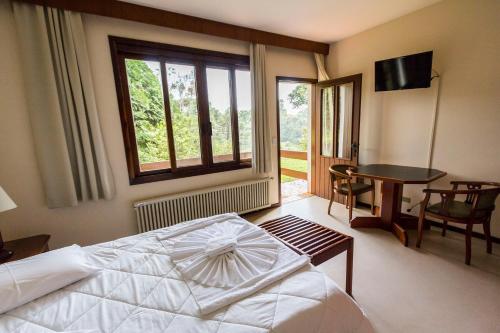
409,289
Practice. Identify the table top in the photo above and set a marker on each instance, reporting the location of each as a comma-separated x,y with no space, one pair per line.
398,173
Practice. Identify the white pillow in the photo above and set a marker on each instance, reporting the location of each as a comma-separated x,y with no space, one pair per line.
25,280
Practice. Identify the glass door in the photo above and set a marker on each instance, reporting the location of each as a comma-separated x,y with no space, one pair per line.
336,129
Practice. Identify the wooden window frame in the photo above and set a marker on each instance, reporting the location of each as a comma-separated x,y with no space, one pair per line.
356,80
124,48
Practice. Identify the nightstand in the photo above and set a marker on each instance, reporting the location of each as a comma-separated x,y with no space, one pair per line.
27,247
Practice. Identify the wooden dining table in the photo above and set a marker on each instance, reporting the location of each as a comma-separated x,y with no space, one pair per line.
393,178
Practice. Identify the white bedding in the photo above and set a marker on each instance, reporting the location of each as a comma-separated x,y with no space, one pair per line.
139,290
227,259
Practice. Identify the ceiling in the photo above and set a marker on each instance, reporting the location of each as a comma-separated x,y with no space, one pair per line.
319,20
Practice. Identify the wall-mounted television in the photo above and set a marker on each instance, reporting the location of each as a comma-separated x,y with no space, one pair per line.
407,72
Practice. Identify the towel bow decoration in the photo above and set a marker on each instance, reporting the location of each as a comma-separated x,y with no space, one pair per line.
224,254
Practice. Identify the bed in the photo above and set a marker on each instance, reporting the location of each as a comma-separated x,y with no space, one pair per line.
139,289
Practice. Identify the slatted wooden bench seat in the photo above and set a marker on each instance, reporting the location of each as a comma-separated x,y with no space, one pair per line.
307,237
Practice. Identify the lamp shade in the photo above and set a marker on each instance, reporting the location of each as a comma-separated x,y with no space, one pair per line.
6,202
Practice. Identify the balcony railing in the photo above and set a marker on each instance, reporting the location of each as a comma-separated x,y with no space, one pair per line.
295,155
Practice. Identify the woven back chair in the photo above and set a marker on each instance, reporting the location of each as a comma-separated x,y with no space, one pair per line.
477,208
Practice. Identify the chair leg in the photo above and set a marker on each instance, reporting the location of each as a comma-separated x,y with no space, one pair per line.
445,225
350,207
487,234
373,202
331,202
468,235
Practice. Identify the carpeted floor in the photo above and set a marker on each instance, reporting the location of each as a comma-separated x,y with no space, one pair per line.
409,289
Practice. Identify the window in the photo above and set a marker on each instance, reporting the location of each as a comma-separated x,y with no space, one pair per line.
184,111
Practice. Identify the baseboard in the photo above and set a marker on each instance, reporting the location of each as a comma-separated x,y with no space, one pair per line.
453,228
274,205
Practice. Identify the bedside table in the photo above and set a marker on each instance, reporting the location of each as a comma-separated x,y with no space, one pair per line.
27,247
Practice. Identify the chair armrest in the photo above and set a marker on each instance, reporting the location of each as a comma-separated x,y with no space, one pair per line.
450,192
447,196
466,182
473,184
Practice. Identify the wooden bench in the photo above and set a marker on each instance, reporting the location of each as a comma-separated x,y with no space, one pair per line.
310,238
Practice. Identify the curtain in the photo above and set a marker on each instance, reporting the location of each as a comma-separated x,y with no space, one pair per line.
320,63
345,120
68,140
261,154
327,107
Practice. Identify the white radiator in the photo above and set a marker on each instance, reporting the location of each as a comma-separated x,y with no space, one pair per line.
165,211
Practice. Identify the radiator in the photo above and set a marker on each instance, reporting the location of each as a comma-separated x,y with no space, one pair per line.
242,197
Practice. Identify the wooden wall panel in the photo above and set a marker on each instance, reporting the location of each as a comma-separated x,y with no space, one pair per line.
149,15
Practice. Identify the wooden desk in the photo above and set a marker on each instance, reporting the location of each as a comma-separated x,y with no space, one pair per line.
393,178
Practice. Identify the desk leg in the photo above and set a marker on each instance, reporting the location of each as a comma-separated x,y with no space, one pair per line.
390,213
348,275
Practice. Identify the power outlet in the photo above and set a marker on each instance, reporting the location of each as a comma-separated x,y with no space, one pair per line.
407,199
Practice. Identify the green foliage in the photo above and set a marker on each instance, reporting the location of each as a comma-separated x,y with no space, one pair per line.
245,130
184,111
294,125
147,107
299,96
222,143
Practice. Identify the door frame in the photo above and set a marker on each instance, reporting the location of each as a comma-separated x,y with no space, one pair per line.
311,112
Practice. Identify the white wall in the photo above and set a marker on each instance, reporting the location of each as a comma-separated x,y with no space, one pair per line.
104,220
395,126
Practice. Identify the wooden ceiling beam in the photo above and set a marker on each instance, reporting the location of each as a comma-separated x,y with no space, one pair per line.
143,14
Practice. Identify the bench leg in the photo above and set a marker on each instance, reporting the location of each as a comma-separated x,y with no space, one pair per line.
348,275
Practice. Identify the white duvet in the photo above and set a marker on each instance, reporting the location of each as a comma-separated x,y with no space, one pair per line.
139,290
225,259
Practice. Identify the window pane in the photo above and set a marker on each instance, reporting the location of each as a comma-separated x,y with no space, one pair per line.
219,105
244,107
184,109
146,99
327,111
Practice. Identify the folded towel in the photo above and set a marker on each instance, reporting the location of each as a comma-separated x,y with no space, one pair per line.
224,254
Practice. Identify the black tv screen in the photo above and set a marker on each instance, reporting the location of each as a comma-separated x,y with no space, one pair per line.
407,72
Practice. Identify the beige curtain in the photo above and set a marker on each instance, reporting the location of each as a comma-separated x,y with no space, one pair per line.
345,120
261,153
68,139
320,63
327,107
